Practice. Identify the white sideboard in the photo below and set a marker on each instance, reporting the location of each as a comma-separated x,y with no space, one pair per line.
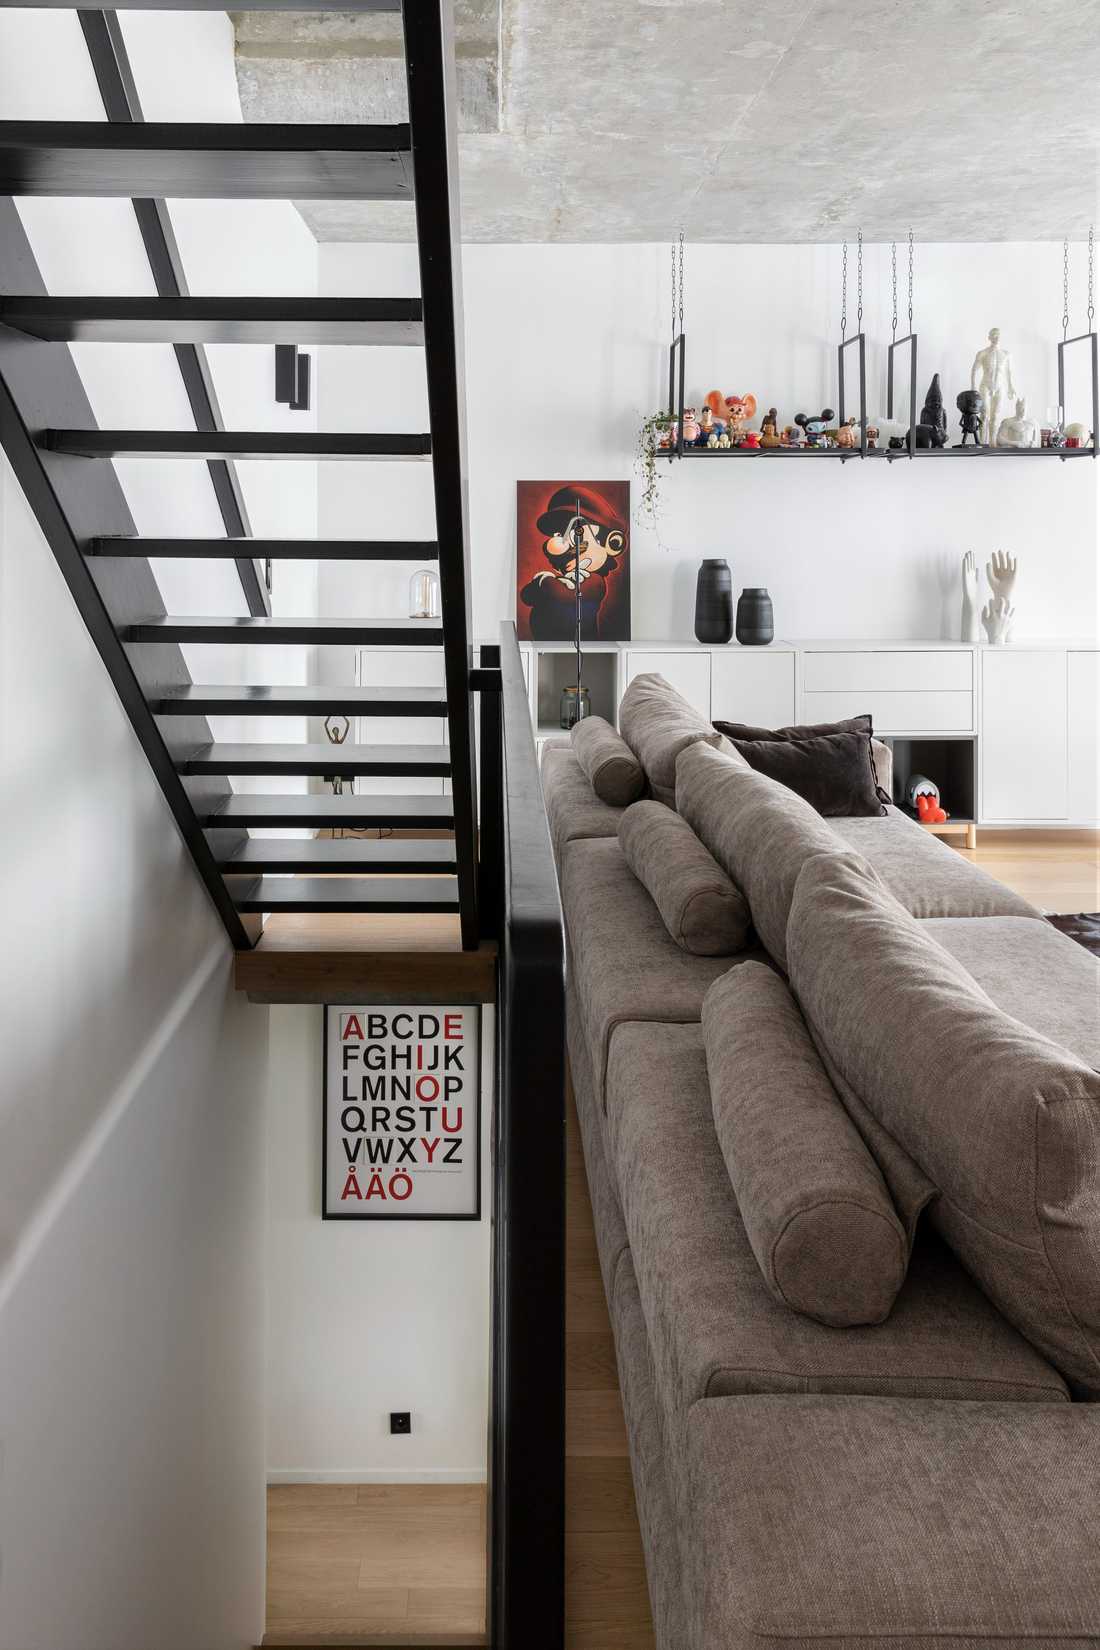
1016,730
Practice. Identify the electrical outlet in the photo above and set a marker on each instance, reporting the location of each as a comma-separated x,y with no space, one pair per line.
400,1420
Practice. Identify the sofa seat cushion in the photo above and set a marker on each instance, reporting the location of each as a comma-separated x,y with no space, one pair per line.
658,723
699,905
714,1325
760,833
603,1195
1032,972
574,810
848,1522
625,964
1002,1121
928,876
815,1206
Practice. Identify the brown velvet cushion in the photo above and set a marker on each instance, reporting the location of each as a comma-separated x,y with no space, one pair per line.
881,757
815,1207
833,772
808,730
658,723
1005,1123
760,833
700,907
609,764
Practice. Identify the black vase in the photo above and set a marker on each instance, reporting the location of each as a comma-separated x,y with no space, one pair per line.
755,622
714,601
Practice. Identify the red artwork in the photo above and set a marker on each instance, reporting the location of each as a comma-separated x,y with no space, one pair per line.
550,515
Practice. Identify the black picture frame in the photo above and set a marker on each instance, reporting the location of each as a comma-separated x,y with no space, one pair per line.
388,1214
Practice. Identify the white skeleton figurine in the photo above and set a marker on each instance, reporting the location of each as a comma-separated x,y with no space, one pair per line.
991,376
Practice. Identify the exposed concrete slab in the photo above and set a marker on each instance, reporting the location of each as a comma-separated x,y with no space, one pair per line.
584,119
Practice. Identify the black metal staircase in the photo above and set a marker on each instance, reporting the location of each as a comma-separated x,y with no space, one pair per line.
63,463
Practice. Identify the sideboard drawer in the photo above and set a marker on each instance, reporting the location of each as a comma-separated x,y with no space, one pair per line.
903,670
894,712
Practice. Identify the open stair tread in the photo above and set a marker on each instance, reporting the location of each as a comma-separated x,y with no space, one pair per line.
258,758
182,160
199,700
273,549
229,320
324,812
394,857
349,893
260,445
307,632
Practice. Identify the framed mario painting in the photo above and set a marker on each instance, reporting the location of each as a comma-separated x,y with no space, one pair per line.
573,539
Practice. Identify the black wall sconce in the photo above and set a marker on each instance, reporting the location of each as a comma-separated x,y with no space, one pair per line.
292,377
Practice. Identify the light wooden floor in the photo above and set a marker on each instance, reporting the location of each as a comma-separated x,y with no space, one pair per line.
382,1564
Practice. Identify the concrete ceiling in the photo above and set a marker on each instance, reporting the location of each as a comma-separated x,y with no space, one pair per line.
968,120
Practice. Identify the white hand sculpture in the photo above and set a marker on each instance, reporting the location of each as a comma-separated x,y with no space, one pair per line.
1001,573
971,630
997,616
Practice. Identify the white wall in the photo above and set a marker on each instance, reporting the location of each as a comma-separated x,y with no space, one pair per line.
566,350
367,1316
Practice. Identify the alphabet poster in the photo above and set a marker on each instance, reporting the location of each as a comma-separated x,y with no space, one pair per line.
402,1114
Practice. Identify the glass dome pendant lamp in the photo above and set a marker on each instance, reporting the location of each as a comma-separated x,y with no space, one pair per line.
424,594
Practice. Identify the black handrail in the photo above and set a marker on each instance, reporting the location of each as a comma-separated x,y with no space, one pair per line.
527,1466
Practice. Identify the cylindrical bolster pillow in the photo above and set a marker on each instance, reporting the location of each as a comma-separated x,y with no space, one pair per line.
612,769
699,905
816,1209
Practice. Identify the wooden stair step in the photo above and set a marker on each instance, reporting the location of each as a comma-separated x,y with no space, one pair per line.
332,812
236,444
366,856
418,761
271,549
348,893
299,632
185,161
98,320
198,700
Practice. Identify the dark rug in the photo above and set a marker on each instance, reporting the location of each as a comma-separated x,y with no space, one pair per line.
1084,928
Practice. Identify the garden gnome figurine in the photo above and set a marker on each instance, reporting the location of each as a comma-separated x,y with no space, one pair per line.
991,374
933,415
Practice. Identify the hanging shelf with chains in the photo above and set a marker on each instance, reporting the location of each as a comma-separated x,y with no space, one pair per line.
677,371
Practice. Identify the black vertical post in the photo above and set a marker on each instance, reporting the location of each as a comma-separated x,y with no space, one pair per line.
433,118
491,832
1090,339
910,339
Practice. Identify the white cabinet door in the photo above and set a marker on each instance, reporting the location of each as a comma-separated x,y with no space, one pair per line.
689,674
1023,734
753,685
1084,738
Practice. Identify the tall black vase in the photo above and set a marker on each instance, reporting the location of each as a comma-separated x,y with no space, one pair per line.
755,622
714,601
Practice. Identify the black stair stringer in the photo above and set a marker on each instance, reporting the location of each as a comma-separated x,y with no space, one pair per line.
74,501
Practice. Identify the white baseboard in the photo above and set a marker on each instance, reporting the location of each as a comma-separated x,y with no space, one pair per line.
381,1475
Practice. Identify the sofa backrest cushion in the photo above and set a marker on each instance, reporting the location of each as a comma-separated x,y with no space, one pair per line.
1005,1123
760,833
658,723
816,1209
700,907
609,764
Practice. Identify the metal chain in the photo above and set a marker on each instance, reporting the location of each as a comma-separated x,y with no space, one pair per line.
910,280
1065,288
859,280
672,299
894,289
844,293
1091,310
681,280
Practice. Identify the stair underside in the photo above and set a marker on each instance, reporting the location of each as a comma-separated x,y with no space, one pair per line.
198,700
345,893
216,5
301,632
333,812
236,444
348,855
271,549
419,761
180,161
371,321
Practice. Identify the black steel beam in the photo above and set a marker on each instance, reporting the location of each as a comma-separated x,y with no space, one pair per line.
295,632
118,89
379,894
352,855
177,160
433,122
273,549
258,444
323,812
171,320
380,761
302,701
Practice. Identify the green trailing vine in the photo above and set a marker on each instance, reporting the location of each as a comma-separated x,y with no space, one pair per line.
650,433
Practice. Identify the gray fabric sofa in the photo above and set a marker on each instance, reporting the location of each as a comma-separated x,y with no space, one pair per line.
932,1479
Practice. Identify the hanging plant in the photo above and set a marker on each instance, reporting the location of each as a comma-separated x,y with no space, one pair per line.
653,428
